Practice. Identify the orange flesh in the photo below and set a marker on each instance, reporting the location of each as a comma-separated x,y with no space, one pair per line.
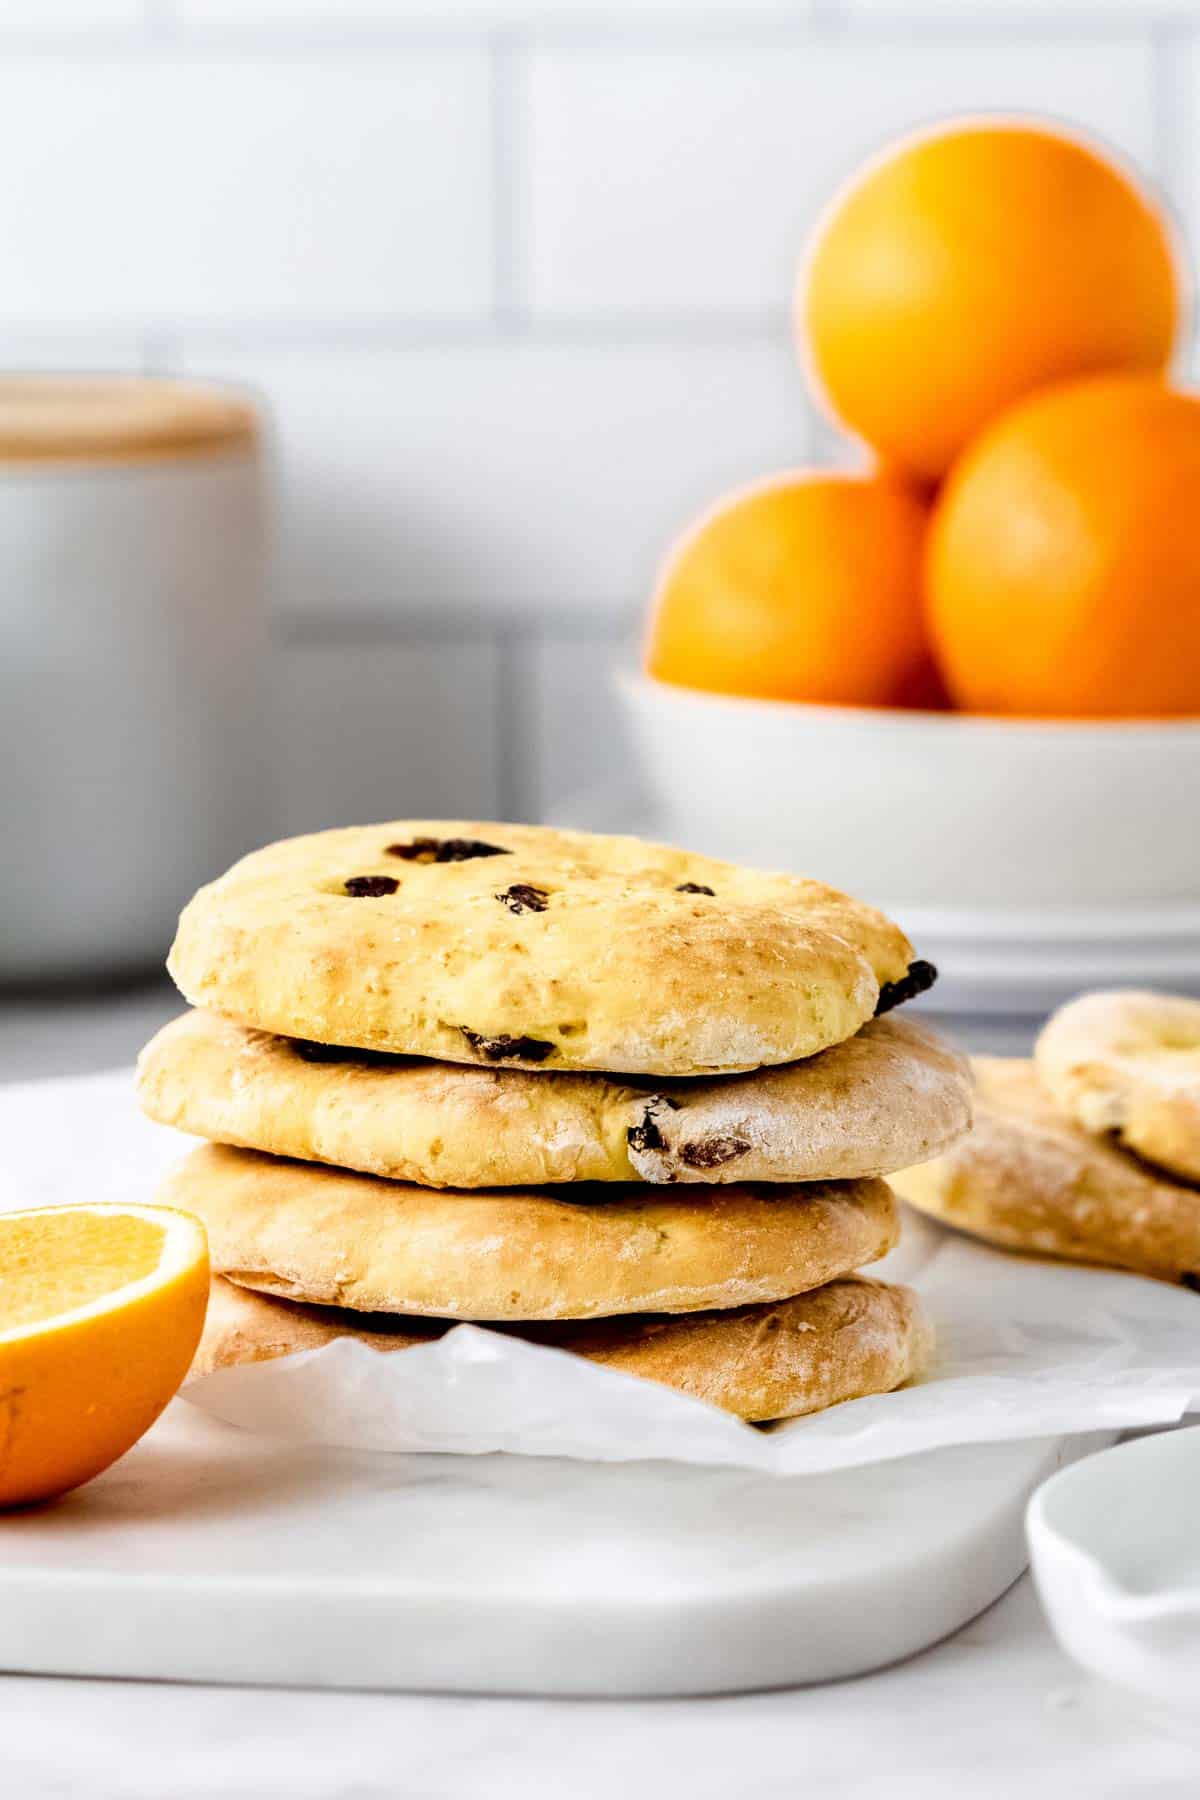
54,1264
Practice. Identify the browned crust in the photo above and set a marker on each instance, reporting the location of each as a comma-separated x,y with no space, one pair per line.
627,967
800,1355
1031,1179
888,1097
1127,1063
312,1233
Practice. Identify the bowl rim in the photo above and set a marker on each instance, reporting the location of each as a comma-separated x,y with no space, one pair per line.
638,683
1050,1539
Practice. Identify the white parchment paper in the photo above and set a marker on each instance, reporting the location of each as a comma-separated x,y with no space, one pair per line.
1025,1349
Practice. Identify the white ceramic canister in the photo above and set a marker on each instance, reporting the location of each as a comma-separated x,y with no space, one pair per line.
132,629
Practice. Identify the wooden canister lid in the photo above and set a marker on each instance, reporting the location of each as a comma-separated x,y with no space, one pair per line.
119,418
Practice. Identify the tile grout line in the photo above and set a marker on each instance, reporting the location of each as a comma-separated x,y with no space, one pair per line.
160,31
1027,26
1174,147
325,630
156,352
511,751
635,330
509,309
829,19
159,24
1165,128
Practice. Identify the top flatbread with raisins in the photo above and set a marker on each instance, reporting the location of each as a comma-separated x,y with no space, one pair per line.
526,947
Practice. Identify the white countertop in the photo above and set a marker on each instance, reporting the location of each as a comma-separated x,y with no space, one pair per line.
996,1710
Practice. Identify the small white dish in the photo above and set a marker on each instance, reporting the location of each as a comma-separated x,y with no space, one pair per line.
1115,1548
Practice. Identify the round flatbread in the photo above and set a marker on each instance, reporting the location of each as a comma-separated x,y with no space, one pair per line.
850,1338
892,1095
1031,1179
318,1234
1128,1065
521,946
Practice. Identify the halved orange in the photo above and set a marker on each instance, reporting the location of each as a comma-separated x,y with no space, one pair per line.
101,1310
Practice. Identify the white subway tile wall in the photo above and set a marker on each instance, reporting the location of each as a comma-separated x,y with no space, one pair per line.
491,481
47,18
576,747
277,189
686,181
112,353
513,279
367,731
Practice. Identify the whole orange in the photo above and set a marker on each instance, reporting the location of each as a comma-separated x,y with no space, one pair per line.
1064,556
970,267
805,587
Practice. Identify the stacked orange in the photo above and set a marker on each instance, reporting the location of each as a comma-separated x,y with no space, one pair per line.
991,308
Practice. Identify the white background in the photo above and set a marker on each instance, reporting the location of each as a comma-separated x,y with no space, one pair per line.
514,280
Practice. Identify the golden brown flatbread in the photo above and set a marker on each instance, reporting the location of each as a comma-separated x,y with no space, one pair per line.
1028,1178
522,946
1127,1064
888,1097
313,1233
849,1338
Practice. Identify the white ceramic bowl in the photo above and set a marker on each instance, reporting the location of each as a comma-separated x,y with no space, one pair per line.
1115,1552
1032,856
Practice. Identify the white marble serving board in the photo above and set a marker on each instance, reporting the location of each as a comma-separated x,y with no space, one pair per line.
209,1554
